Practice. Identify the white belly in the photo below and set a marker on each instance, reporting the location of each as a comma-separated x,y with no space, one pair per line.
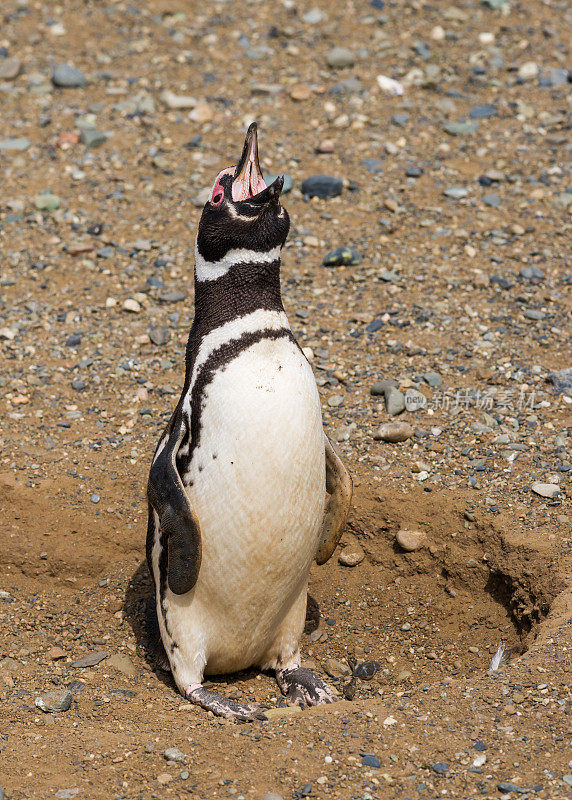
257,485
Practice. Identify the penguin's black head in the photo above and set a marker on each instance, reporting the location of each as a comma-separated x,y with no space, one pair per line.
243,213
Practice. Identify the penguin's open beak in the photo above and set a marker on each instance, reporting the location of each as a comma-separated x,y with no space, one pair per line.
248,182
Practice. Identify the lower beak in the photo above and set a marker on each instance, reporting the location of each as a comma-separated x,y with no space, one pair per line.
248,179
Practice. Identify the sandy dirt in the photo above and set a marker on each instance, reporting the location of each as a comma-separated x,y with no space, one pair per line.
445,287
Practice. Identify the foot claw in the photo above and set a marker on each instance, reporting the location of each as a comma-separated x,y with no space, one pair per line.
303,687
222,707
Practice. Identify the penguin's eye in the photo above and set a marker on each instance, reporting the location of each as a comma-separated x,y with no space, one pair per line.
217,197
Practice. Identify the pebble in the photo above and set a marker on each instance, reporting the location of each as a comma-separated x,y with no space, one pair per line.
322,186
340,57
54,702
380,387
160,335
393,432
46,201
414,172
414,400
492,200
369,760
533,274
177,101
65,76
314,16
131,305
410,540
89,660
546,489
92,138
55,653
440,767
122,663
528,71
534,314
433,379
366,670
335,400
202,113
272,796
337,669
164,778
483,112
505,787
342,256
10,68
351,556
394,401
456,192
174,754
461,128
389,85
172,296
562,381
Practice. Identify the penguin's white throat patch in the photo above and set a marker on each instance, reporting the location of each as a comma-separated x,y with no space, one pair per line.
212,270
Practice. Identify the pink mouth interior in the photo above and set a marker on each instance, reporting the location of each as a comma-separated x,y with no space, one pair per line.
251,182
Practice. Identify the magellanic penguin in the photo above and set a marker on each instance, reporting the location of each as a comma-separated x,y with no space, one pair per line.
238,483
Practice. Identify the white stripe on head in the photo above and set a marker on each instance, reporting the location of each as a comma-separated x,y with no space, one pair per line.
212,270
261,319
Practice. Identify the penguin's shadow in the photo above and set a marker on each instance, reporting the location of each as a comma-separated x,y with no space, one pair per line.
140,613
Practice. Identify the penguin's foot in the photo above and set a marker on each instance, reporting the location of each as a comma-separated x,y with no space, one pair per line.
221,706
303,687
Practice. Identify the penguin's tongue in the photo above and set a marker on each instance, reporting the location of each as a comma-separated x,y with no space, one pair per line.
248,180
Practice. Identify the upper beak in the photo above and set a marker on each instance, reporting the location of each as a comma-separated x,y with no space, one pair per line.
248,180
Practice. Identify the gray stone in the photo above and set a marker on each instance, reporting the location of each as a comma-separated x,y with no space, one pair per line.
335,400
414,400
546,489
566,778
172,296
174,754
65,76
534,314
533,274
16,145
433,379
89,660
313,16
562,381
394,401
400,119
55,701
342,256
10,68
339,57
492,200
461,128
92,138
272,796
322,186
46,201
479,427
483,112
556,77
159,335
440,767
505,787
369,760
456,192
380,387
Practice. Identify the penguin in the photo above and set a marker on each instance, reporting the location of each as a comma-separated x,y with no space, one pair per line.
245,490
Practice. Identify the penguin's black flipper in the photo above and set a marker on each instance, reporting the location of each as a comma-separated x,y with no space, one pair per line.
177,519
339,487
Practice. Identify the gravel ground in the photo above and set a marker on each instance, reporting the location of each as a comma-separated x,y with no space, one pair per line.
445,315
